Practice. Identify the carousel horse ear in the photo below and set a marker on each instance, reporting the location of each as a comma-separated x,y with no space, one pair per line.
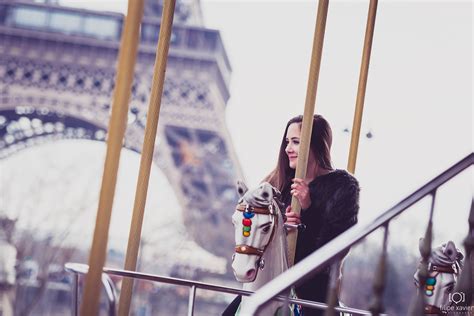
459,256
276,192
267,191
241,188
450,250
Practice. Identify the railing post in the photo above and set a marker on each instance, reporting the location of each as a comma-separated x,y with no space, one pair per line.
286,305
464,284
75,291
376,306
111,294
333,289
192,296
418,304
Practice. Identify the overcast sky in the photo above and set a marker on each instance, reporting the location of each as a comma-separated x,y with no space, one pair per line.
418,102
419,94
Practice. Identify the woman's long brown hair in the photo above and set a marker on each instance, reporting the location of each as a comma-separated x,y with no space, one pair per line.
320,146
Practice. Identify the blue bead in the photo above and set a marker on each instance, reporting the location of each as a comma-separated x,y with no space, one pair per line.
248,214
430,281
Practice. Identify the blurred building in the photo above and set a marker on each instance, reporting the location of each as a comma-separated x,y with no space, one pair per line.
57,68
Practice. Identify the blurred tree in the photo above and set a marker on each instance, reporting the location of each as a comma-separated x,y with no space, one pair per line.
358,277
42,200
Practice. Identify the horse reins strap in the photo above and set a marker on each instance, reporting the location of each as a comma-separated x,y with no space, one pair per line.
433,310
447,269
254,209
248,250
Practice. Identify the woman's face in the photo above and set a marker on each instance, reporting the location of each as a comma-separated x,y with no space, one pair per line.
293,143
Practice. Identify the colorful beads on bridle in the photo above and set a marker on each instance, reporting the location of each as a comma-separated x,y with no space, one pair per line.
247,223
430,285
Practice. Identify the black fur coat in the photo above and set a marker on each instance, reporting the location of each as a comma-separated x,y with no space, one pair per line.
334,208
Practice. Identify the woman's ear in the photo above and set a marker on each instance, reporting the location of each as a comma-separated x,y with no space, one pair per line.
241,188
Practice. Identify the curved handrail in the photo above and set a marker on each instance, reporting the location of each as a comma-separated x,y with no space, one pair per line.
109,287
323,256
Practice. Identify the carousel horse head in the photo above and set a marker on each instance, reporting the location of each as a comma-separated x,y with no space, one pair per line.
444,266
255,220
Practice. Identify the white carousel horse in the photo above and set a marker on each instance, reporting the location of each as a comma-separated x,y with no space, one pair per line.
261,249
444,267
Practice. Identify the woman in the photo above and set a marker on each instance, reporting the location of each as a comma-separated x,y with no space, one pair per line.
329,199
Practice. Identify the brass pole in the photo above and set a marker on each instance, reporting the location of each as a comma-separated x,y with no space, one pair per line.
307,124
147,154
118,119
364,72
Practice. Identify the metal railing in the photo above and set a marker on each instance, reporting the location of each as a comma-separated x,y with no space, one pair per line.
331,251
109,287
80,269
306,268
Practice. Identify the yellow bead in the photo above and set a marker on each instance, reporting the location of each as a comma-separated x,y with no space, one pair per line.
246,234
430,287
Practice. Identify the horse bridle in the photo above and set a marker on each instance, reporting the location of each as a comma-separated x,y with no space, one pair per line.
444,269
249,250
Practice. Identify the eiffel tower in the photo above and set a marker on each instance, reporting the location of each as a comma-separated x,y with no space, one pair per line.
57,70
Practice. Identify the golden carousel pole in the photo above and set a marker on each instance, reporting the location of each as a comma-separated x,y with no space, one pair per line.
364,73
334,285
307,124
118,119
147,154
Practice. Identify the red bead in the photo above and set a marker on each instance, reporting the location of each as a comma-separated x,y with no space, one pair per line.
246,222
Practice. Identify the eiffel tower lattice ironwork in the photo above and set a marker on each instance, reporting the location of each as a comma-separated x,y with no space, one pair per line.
57,67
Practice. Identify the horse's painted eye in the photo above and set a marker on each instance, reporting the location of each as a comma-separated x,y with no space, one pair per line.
266,229
450,288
